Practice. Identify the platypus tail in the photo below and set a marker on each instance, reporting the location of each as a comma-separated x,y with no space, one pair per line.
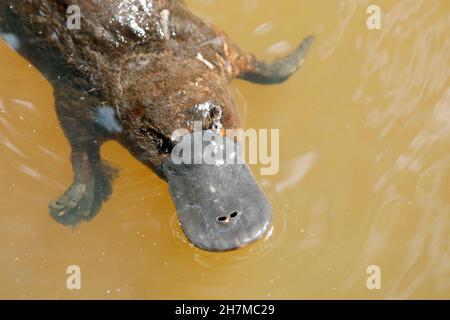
253,70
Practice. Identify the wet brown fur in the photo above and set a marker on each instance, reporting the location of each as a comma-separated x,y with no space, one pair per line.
149,80
153,80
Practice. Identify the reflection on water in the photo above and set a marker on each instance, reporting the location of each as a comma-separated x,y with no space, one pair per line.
364,176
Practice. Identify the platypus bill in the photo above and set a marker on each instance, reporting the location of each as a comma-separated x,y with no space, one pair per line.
135,72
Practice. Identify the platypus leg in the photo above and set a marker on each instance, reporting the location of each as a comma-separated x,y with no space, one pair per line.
253,70
90,187
92,177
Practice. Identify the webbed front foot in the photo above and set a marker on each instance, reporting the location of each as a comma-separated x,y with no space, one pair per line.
91,187
74,205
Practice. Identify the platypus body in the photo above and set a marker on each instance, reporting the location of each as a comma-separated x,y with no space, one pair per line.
135,72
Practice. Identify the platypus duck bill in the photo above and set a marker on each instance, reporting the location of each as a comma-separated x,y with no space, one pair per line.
219,203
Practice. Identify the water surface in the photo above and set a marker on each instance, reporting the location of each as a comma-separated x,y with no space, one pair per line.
364,176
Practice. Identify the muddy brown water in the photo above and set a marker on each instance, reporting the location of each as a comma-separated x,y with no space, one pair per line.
364,170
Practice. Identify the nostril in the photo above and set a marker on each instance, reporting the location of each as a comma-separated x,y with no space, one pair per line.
228,218
222,219
233,214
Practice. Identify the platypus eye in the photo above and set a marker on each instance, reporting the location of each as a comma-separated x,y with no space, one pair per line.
165,144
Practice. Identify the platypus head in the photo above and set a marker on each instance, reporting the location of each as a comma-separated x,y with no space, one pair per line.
219,203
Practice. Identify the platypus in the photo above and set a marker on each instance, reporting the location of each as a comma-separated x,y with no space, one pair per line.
136,71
